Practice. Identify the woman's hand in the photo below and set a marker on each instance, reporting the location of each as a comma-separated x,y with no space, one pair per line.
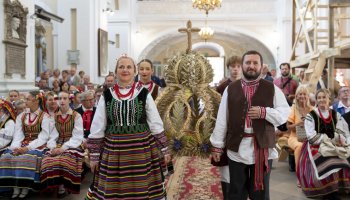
93,166
167,158
342,140
19,151
301,124
56,151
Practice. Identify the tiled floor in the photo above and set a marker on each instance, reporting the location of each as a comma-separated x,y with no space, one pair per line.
282,186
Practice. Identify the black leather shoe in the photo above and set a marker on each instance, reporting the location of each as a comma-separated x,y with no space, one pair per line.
291,161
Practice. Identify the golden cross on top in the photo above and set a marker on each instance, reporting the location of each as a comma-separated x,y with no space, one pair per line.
189,30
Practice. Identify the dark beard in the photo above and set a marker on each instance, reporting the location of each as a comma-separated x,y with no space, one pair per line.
251,77
285,75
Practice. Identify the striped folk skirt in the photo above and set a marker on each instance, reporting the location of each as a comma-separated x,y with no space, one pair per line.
21,171
129,169
63,169
308,177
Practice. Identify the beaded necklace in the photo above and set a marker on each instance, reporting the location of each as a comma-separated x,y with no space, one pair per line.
31,121
150,85
120,95
328,120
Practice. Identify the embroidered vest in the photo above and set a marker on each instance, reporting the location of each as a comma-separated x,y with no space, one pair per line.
126,116
64,127
238,108
31,131
322,127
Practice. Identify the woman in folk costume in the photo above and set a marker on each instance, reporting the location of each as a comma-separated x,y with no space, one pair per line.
7,123
20,164
62,165
145,71
126,135
321,176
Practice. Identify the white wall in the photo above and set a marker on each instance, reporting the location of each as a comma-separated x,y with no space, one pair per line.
89,18
121,22
123,29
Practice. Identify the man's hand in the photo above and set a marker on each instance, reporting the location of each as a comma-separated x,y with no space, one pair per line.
216,156
254,112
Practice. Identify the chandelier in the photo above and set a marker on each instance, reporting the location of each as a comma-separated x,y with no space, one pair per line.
206,4
206,33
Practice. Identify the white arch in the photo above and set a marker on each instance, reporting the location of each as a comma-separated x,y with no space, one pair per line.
169,33
210,45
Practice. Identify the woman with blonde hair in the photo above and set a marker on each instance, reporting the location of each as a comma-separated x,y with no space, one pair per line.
299,110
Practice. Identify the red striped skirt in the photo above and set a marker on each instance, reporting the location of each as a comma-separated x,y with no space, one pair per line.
63,169
311,186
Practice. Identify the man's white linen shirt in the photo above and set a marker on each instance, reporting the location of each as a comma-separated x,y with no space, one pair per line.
276,116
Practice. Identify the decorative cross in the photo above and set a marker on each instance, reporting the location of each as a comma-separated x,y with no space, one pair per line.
189,30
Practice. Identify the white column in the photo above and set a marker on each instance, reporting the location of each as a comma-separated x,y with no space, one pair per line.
284,28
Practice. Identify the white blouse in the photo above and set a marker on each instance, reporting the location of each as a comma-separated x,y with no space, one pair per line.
276,116
6,133
43,136
99,122
309,124
77,134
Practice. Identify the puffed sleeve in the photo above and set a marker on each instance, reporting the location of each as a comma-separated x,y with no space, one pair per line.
156,124
18,136
97,131
311,134
51,144
6,133
218,136
343,126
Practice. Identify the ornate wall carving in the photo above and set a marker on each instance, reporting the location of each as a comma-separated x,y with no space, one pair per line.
15,37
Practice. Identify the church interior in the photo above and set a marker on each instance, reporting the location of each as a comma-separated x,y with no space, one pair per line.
40,37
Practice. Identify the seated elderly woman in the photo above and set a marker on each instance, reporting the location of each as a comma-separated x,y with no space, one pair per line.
320,175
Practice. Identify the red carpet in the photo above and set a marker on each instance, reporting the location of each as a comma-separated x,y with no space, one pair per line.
194,179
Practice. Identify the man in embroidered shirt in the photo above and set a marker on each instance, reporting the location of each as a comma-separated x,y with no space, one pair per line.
248,112
287,84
